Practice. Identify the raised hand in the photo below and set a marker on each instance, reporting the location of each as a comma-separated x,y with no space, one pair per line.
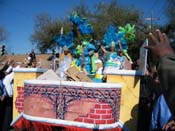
169,126
160,45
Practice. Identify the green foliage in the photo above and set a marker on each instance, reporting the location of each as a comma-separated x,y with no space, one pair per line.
45,31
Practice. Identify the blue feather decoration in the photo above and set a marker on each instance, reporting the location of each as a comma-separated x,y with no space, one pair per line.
89,47
83,26
110,35
63,40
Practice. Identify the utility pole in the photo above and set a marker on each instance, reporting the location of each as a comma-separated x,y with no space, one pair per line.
151,19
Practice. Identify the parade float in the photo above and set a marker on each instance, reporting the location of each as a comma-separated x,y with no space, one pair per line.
93,98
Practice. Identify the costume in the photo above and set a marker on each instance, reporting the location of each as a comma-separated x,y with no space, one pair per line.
84,50
161,114
8,83
89,62
166,72
118,38
113,60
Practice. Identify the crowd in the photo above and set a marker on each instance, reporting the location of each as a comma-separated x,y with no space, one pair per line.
164,111
6,93
6,89
159,81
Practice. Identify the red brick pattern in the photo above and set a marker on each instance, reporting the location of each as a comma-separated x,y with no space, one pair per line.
70,106
79,108
100,114
19,103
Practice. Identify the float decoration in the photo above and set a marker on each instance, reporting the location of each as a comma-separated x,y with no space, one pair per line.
128,35
63,40
82,24
89,61
85,50
110,35
128,31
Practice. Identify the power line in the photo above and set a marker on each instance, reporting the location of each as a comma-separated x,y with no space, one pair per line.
160,12
151,19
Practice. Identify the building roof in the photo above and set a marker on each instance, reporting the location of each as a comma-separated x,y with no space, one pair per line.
21,58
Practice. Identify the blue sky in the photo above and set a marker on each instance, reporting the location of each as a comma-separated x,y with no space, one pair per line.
18,16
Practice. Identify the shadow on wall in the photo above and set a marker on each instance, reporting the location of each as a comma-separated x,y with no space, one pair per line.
131,124
136,79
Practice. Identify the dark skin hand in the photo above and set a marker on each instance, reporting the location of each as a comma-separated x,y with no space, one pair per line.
169,126
2,98
160,45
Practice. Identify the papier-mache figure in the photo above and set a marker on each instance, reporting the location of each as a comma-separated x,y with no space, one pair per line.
85,50
89,59
99,69
114,60
126,34
118,40
64,64
66,42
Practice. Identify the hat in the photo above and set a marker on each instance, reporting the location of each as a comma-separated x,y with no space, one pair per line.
113,43
65,48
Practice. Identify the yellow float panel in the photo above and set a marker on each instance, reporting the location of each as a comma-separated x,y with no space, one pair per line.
129,96
20,75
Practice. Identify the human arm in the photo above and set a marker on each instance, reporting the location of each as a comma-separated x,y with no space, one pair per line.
120,47
104,50
161,48
166,73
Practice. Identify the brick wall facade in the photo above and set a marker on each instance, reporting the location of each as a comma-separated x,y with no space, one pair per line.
81,104
100,114
19,103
